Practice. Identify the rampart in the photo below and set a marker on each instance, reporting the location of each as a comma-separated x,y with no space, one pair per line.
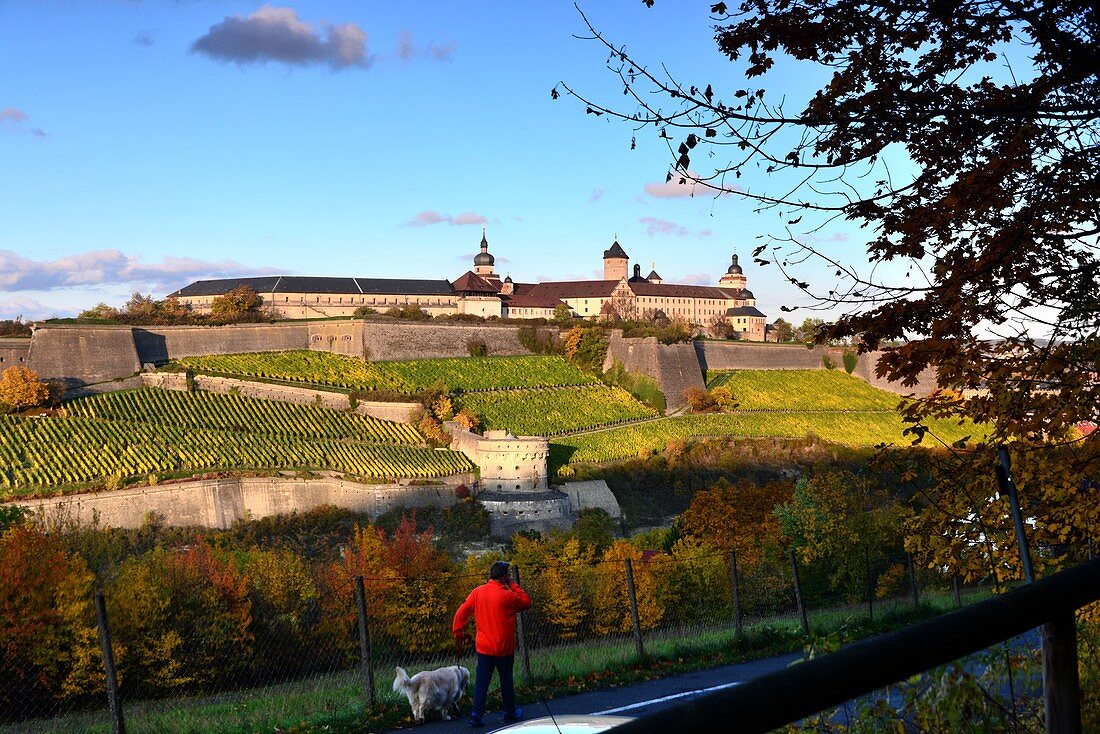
14,352
387,341
399,412
83,355
218,503
674,366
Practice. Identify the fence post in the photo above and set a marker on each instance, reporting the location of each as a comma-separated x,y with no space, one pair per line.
366,654
737,620
958,592
114,705
913,580
798,593
1061,686
634,608
525,656
869,583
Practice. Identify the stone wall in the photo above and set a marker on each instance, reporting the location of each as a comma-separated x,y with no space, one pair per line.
83,355
738,356
674,366
14,352
865,370
158,344
590,495
218,503
338,337
387,341
398,412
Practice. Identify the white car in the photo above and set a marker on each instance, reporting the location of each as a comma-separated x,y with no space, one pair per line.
568,724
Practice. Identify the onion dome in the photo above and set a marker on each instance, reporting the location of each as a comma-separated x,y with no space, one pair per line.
734,268
483,257
637,274
615,251
507,278
746,294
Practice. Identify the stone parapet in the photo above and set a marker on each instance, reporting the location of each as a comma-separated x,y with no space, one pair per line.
218,503
14,352
510,512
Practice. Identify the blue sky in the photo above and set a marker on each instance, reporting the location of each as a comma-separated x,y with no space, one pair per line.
148,143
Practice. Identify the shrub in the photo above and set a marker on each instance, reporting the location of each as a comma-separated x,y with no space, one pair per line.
21,388
538,342
586,347
724,399
850,359
699,400
643,387
827,362
477,348
363,311
469,420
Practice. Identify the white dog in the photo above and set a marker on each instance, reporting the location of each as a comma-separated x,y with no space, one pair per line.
433,689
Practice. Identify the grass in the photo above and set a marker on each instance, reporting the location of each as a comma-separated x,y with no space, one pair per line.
801,390
335,702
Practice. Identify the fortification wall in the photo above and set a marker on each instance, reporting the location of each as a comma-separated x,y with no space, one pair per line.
865,370
83,355
674,366
737,356
14,353
158,344
398,412
338,337
218,503
387,341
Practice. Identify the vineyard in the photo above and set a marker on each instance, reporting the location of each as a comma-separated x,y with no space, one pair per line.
551,412
239,414
849,428
109,439
801,390
455,374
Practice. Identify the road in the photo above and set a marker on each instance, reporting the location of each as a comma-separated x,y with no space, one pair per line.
633,700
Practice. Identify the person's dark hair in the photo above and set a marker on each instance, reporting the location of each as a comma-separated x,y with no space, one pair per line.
498,570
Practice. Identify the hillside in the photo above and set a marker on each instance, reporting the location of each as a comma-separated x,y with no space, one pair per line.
146,435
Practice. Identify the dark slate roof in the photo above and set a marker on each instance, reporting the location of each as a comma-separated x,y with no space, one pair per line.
744,311
575,289
734,268
653,276
675,290
529,301
470,282
310,284
616,250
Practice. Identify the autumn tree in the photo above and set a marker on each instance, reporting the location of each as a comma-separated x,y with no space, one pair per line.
240,304
782,330
21,388
736,517
962,138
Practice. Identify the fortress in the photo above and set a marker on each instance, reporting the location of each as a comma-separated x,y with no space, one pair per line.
481,292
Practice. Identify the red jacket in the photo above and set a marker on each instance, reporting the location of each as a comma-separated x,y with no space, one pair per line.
494,607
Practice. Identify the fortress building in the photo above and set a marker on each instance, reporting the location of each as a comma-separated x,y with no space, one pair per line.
481,292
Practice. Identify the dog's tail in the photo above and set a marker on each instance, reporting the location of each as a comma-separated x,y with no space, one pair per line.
401,680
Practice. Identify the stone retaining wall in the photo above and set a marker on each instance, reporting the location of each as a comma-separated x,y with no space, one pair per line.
14,352
218,503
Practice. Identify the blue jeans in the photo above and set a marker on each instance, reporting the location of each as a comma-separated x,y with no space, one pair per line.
486,664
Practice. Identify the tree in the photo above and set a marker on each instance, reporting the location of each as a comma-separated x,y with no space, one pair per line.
976,184
21,388
240,303
562,314
782,330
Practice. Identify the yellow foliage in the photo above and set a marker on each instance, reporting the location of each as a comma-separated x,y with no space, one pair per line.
21,388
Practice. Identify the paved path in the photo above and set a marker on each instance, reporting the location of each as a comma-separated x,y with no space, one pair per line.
632,700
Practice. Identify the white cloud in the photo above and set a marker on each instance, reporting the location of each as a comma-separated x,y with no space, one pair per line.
655,226
27,308
107,267
695,279
13,120
429,217
674,189
407,50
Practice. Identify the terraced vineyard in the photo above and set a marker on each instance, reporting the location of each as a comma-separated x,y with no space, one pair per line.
550,412
801,390
853,429
333,370
141,432
239,414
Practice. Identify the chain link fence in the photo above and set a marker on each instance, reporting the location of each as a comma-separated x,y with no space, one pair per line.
211,656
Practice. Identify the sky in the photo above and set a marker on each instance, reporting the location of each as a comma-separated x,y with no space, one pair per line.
145,144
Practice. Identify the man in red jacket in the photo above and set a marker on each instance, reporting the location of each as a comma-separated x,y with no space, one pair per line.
494,606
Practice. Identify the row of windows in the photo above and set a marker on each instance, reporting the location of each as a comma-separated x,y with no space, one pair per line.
2,360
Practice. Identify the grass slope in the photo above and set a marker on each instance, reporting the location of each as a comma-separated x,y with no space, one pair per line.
801,390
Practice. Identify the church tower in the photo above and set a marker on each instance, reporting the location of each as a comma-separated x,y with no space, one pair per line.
484,262
734,277
615,261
